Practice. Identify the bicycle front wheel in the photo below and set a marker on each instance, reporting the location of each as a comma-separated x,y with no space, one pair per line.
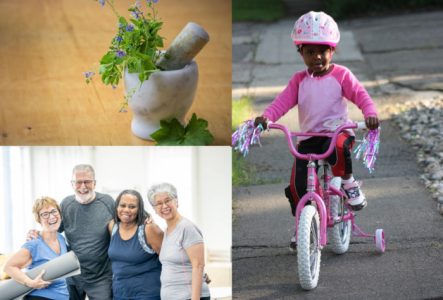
308,248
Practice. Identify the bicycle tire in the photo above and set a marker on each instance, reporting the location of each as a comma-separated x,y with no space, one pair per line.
308,248
340,234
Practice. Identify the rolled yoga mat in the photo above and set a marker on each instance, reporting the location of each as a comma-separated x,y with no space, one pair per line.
63,266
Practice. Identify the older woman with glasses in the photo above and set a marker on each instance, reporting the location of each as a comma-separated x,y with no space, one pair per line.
182,250
48,245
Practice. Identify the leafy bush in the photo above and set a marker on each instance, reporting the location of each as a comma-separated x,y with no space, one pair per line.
341,9
257,10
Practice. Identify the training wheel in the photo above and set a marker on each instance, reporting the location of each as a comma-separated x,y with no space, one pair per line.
380,240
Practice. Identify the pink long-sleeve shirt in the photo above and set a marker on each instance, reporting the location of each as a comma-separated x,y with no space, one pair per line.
321,100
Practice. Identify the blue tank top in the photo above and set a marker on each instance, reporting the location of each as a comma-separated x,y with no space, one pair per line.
42,253
136,273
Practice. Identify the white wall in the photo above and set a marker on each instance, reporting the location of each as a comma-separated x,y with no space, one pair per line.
214,176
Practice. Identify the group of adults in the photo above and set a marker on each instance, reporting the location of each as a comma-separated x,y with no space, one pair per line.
122,253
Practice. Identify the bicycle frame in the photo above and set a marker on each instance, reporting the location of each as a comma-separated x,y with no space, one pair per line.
312,194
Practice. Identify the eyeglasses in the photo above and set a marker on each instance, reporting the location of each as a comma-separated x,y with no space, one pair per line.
80,182
45,215
160,204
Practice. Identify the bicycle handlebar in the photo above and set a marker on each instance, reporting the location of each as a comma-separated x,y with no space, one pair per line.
332,135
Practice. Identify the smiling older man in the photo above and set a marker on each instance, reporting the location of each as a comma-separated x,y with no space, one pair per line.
85,218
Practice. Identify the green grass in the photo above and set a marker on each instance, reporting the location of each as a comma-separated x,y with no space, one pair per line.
241,111
245,174
257,10
242,172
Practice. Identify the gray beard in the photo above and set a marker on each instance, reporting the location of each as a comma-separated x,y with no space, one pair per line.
81,201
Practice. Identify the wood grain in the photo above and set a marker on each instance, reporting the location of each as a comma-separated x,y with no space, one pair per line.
46,45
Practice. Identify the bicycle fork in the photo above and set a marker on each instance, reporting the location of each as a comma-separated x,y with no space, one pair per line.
313,196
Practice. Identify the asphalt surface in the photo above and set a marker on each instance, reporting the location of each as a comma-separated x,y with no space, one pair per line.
397,58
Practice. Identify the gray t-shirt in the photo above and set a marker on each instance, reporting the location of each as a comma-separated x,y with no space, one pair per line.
176,276
85,227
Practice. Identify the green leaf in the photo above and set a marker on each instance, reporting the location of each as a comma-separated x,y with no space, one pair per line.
196,133
173,133
170,133
107,58
123,21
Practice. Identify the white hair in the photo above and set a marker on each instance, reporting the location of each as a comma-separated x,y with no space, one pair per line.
161,188
84,167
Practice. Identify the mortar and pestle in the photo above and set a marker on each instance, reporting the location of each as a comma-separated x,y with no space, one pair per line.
168,93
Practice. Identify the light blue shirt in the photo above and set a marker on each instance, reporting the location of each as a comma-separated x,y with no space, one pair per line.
42,253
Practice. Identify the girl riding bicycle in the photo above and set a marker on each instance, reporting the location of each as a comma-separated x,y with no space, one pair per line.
320,92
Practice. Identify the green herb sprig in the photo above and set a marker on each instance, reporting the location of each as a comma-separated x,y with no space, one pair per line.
135,46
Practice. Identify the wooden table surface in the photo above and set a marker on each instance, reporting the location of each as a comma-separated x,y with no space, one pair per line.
46,45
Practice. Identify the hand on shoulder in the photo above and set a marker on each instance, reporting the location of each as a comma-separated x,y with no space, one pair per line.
32,235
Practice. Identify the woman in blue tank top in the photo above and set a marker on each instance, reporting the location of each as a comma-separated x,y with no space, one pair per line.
133,250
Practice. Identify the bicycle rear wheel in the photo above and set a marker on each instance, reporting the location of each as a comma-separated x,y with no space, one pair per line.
308,248
340,235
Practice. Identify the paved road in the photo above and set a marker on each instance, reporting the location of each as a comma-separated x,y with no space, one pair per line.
394,65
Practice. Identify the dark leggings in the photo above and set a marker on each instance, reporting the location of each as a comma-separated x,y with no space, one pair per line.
340,160
36,298
204,298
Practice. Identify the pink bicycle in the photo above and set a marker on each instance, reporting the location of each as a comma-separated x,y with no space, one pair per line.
323,212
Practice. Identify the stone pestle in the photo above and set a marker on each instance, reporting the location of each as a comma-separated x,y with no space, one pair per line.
184,47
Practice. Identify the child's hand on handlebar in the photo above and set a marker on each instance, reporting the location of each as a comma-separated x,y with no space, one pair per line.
261,120
372,123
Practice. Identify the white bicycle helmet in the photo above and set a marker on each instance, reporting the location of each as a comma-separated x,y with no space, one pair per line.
316,28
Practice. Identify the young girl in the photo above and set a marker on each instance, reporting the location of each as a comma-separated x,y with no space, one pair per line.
320,92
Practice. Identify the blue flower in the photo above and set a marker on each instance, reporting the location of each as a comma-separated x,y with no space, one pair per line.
119,38
88,74
152,1
102,2
129,28
136,14
120,53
